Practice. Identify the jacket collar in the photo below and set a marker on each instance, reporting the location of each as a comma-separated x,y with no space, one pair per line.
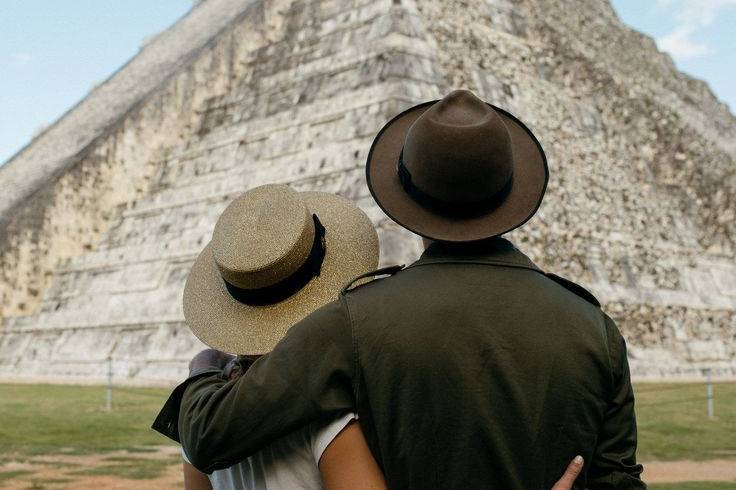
494,251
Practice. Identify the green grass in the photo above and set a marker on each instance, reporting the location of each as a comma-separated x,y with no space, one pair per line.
47,419
694,485
132,468
673,422
10,475
43,483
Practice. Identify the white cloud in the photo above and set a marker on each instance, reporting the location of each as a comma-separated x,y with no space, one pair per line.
691,17
681,45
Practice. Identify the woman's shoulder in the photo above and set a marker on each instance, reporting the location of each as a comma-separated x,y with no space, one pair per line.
323,432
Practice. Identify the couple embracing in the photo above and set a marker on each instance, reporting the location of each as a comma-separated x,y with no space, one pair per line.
469,369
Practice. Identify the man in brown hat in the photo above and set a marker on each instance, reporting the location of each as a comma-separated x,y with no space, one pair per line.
470,368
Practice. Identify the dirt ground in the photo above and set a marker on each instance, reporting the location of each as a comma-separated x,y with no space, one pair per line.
680,471
53,472
63,471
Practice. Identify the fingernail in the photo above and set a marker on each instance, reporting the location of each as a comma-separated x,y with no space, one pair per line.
578,460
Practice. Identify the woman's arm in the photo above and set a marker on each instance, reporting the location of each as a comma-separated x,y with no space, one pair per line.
195,479
347,463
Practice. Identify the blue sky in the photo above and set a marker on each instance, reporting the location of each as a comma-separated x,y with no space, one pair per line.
53,51
700,35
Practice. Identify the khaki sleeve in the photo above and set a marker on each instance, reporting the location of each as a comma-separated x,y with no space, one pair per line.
614,460
308,375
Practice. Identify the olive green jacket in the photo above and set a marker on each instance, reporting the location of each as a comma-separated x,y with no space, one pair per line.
470,368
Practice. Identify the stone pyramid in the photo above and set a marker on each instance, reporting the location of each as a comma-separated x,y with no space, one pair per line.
102,215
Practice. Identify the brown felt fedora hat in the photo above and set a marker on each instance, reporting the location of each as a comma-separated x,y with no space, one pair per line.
276,255
458,169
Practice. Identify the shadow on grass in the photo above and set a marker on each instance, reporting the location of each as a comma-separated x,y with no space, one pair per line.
129,467
47,483
11,475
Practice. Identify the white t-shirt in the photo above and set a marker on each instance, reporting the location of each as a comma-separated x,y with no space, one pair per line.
289,463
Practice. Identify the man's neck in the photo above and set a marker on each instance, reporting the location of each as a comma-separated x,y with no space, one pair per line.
479,244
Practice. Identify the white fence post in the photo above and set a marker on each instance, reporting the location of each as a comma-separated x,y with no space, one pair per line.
709,394
108,401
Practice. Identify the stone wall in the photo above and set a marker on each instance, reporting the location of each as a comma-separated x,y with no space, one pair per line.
52,152
104,154
641,161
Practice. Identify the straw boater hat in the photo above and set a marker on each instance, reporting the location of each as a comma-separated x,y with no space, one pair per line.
276,255
457,169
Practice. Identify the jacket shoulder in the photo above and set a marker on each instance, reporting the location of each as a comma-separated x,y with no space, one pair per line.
575,288
370,277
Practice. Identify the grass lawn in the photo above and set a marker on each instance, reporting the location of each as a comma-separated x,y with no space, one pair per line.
130,468
72,420
9,475
673,422
45,419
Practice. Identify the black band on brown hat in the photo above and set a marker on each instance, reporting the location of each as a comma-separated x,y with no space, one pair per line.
467,208
278,292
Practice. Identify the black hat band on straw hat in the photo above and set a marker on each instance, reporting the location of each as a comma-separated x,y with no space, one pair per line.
287,287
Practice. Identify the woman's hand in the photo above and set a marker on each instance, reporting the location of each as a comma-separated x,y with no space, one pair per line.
209,358
571,473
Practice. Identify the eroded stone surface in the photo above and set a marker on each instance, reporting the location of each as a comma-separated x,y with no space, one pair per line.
639,207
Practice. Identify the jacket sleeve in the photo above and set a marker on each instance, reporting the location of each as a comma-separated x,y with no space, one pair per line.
307,376
167,420
614,460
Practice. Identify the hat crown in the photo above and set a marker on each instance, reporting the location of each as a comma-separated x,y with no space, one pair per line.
263,237
459,150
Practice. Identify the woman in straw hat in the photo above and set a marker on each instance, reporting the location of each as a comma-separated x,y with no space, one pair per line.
276,255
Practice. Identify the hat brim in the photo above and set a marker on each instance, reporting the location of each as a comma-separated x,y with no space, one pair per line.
223,323
529,183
